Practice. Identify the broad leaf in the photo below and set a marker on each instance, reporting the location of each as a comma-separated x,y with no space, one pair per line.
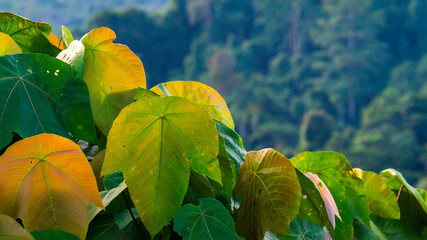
201,94
31,36
271,194
233,144
382,201
209,220
362,232
346,188
107,197
53,235
305,230
10,229
7,45
49,184
109,68
154,141
413,209
39,94
396,230
142,93
312,207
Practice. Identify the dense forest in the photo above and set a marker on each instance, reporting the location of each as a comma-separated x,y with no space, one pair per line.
307,75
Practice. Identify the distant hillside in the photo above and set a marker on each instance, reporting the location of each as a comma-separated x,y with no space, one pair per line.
72,12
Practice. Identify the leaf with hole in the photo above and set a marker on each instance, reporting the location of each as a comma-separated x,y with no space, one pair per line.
50,184
11,229
109,68
39,94
154,141
271,194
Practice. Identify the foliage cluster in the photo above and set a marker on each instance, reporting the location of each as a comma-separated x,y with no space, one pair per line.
165,163
359,66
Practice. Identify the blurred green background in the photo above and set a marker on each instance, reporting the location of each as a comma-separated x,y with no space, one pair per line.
340,75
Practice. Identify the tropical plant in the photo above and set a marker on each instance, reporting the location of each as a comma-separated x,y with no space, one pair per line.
90,153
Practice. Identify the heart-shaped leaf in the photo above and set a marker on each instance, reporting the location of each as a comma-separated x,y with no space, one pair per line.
154,141
10,229
109,69
346,188
49,184
201,94
31,36
7,45
382,201
209,220
271,194
39,94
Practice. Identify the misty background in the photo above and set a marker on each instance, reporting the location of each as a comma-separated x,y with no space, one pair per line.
307,75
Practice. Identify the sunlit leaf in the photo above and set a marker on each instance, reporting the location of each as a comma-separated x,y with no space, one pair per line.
382,201
49,184
330,204
270,193
346,188
312,207
55,41
201,94
209,220
53,235
109,69
7,45
67,37
10,229
142,93
413,209
39,94
32,37
154,141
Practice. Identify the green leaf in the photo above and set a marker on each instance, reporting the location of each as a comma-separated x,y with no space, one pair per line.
113,180
209,220
142,93
304,230
67,37
312,207
107,197
395,229
228,171
362,232
347,189
233,144
112,72
39,94
413,209
53,235
201,94
154,141
31,36
382,201
10,229
271,194
124,218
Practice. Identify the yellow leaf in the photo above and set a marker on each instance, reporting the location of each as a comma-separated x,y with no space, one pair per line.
55,41
49,184
8,45
111,72
201,94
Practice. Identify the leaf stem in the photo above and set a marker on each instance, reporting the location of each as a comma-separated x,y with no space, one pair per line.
141,235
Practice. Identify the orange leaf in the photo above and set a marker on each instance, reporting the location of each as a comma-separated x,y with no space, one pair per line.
55,41
47,181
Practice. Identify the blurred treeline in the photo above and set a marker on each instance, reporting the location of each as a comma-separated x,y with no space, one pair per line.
340,75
